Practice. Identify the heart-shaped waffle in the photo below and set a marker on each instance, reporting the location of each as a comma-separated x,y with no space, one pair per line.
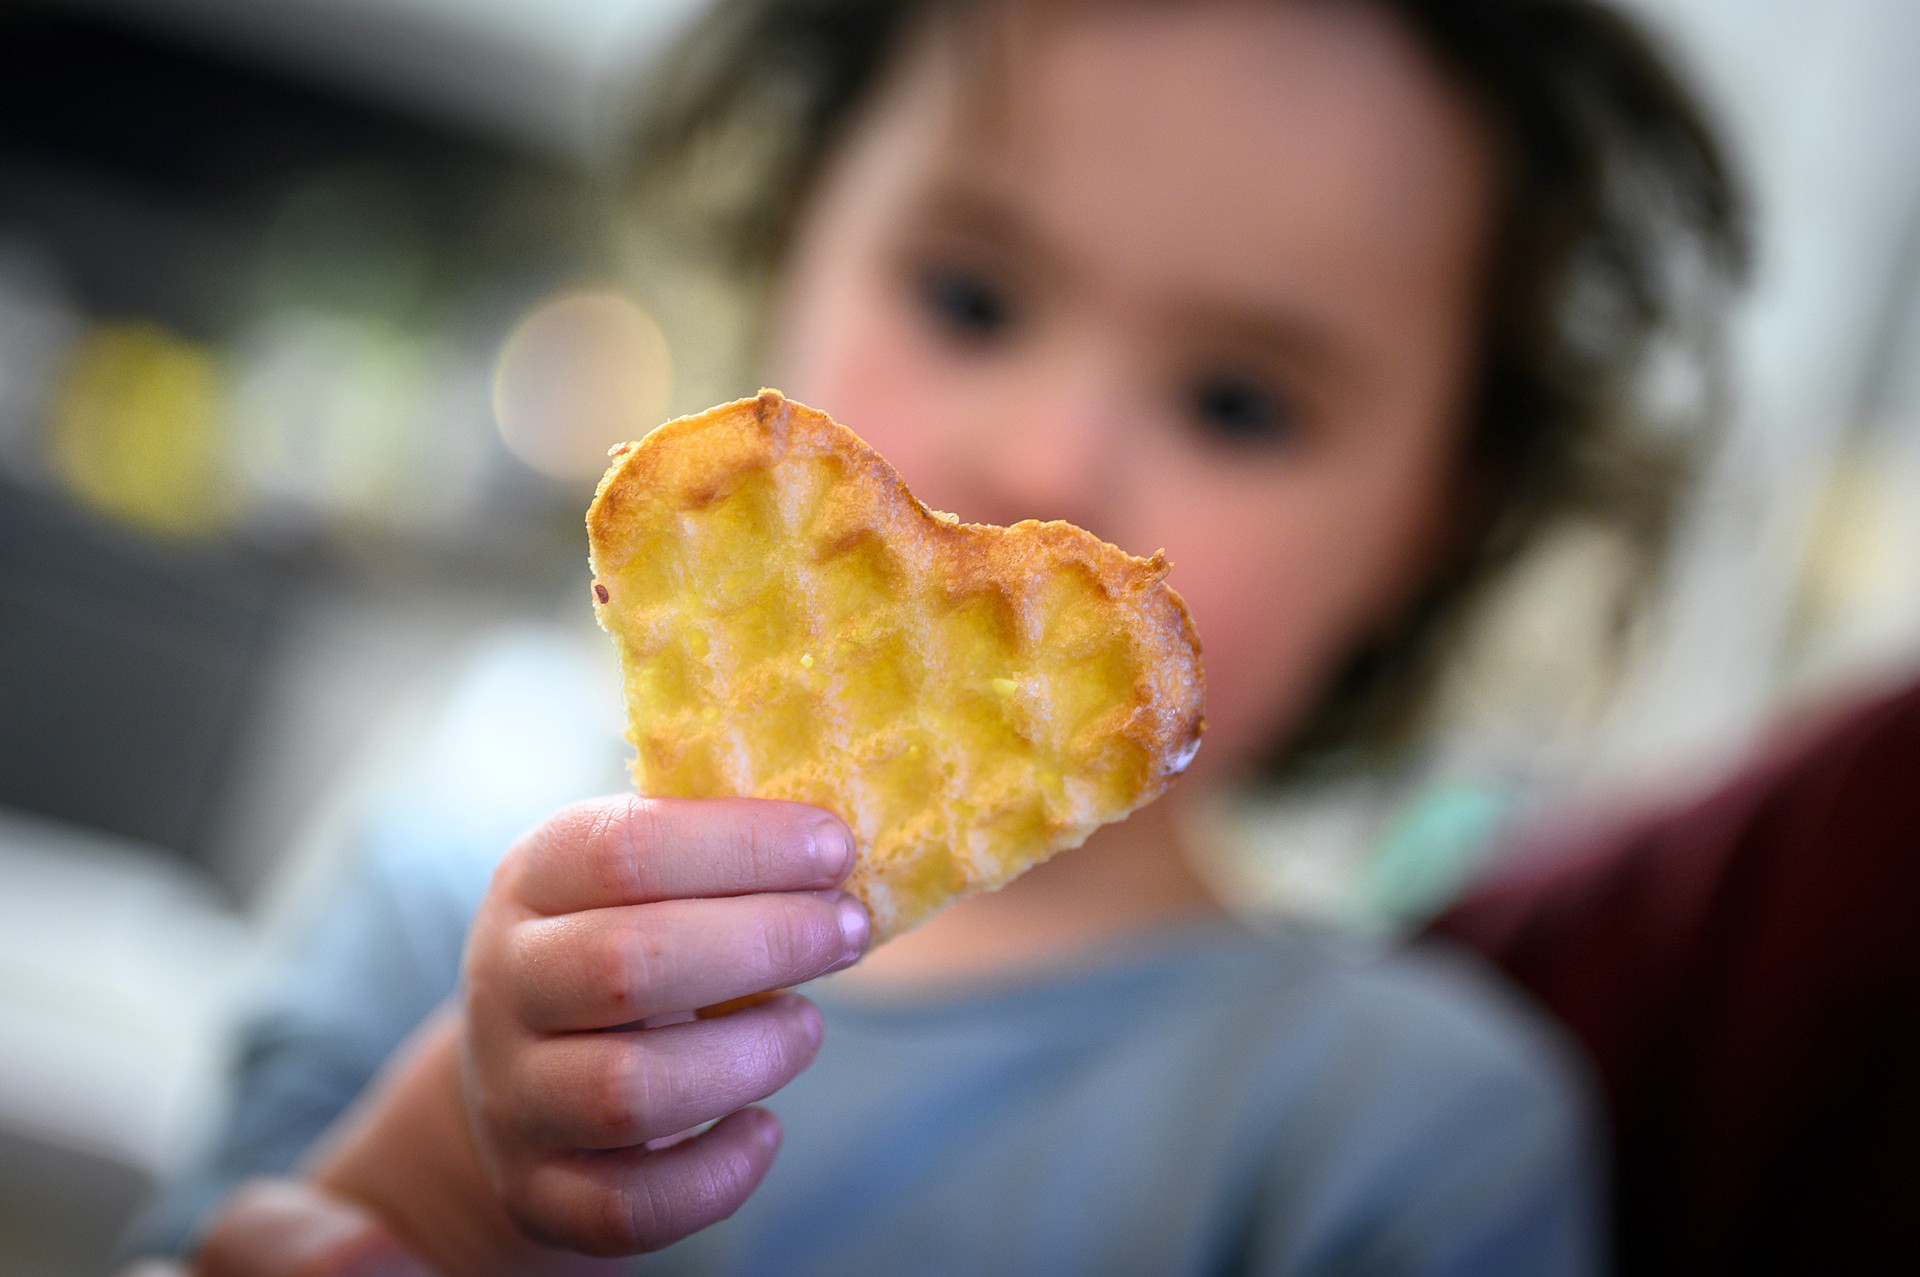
793,624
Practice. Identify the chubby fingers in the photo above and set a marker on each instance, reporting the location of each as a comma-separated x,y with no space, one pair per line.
627,911
634,1200
610,967
614,1090
577,1113
608,852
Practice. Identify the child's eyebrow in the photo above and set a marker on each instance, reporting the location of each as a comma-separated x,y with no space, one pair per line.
973,213
1298,339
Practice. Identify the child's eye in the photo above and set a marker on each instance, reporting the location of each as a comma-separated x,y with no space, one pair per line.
966,303
1237,409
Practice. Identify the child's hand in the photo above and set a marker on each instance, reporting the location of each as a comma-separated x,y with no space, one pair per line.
522,1122
622,911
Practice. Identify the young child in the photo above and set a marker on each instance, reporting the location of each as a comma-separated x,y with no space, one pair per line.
1336,302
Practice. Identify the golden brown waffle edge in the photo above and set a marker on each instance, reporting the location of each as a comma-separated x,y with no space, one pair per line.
792,623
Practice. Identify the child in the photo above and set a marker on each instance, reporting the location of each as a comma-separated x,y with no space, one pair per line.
1339,303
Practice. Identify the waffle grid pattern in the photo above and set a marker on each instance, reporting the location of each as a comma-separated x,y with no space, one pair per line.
793,629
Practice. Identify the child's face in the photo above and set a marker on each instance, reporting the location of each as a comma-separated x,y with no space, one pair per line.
1202,277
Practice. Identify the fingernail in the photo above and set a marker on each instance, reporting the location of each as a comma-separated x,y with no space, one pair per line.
832,849
855,926
769,1131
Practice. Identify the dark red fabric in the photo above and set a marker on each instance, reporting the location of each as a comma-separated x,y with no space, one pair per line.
1746,975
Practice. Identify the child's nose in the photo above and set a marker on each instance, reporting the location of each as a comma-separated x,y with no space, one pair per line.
1054,454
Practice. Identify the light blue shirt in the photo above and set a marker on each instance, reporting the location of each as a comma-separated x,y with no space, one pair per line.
1201,1100
1205,1100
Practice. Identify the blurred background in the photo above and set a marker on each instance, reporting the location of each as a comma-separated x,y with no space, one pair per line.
291,295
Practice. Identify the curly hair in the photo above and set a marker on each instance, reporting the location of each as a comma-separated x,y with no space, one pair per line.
1619,235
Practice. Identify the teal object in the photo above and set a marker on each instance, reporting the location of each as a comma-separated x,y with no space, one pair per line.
1432,847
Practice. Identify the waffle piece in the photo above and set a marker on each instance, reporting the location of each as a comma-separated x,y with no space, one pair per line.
793,624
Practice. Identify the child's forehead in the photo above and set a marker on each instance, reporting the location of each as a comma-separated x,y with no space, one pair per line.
1292,129
1243,85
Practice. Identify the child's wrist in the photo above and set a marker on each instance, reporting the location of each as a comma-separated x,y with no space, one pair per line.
409,1154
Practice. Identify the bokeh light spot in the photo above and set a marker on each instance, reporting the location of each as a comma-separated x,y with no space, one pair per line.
134,429
580,373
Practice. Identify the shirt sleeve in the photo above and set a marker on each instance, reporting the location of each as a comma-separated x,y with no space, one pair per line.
531,722
1518,1196
1463,1142
385,953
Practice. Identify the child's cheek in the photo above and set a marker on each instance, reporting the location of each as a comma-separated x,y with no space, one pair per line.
1278,587
1259,671
868,365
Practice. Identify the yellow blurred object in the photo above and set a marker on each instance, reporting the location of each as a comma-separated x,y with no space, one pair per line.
793,624
134,429
579,374
1857,614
